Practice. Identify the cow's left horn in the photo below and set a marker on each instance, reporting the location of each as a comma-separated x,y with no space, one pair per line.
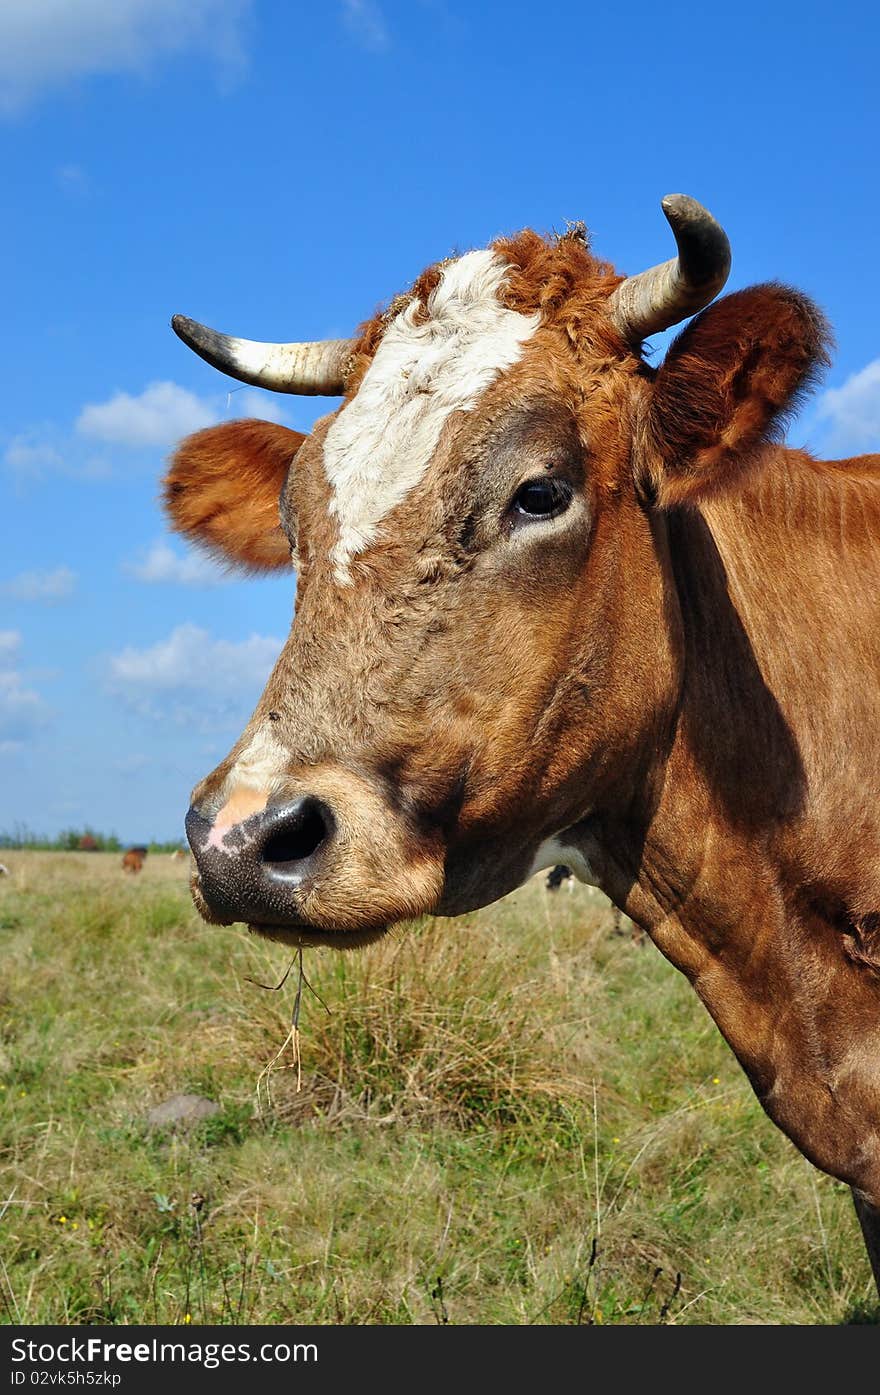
317,368
655,299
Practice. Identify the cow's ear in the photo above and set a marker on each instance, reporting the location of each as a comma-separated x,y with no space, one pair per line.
222,490
726,385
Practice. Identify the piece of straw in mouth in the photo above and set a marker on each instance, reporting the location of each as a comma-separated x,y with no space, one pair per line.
293,1035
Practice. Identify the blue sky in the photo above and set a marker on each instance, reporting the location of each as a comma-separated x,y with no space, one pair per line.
277,169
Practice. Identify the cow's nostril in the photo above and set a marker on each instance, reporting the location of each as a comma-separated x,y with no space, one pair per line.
296,833
253,870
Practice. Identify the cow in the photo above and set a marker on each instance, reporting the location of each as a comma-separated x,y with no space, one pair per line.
558,604
557,875
133,860
4,870
177,855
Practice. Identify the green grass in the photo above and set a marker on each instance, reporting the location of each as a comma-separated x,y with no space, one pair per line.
515,1117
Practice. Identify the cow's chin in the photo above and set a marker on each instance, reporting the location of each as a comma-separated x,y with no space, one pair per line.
469,884
296,936
307,937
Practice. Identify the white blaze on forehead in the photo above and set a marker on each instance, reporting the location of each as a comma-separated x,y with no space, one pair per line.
380,446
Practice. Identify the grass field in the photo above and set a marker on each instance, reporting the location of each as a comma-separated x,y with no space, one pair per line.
515,1117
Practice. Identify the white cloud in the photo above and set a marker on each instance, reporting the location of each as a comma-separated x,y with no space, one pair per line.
30,454
49,43
192,677
253,402
160,563
158,417
50,587
366,23
10,644
850,415
22,710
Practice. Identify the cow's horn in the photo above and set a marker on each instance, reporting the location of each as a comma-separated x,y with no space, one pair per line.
655,299
317,368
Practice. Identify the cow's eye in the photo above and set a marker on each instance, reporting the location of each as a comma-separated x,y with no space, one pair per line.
542,498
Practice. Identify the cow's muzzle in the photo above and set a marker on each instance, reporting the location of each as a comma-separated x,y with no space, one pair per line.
255,871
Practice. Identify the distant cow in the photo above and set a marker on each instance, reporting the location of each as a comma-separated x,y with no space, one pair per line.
178,855
4,870
557,875
133,860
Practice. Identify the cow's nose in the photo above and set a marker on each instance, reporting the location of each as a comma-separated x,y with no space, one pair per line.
292,837
252,870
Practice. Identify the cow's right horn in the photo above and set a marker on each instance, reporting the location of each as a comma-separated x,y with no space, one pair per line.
655,299
317,368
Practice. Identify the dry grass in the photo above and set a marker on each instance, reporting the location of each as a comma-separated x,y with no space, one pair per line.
514,1117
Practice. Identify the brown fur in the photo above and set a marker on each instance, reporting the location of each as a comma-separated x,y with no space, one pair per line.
133,861
726,384
689,697
222,490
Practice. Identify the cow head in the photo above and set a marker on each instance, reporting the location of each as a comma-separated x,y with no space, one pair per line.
486,651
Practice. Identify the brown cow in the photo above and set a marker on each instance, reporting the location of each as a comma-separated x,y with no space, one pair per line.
133,860
557,605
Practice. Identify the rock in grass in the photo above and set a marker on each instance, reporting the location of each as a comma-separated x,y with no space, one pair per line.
181,1111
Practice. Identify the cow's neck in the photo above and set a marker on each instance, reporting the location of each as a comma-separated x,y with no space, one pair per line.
778,727
779,587
756,833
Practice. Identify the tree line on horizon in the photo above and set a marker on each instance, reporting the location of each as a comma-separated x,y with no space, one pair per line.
85,839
